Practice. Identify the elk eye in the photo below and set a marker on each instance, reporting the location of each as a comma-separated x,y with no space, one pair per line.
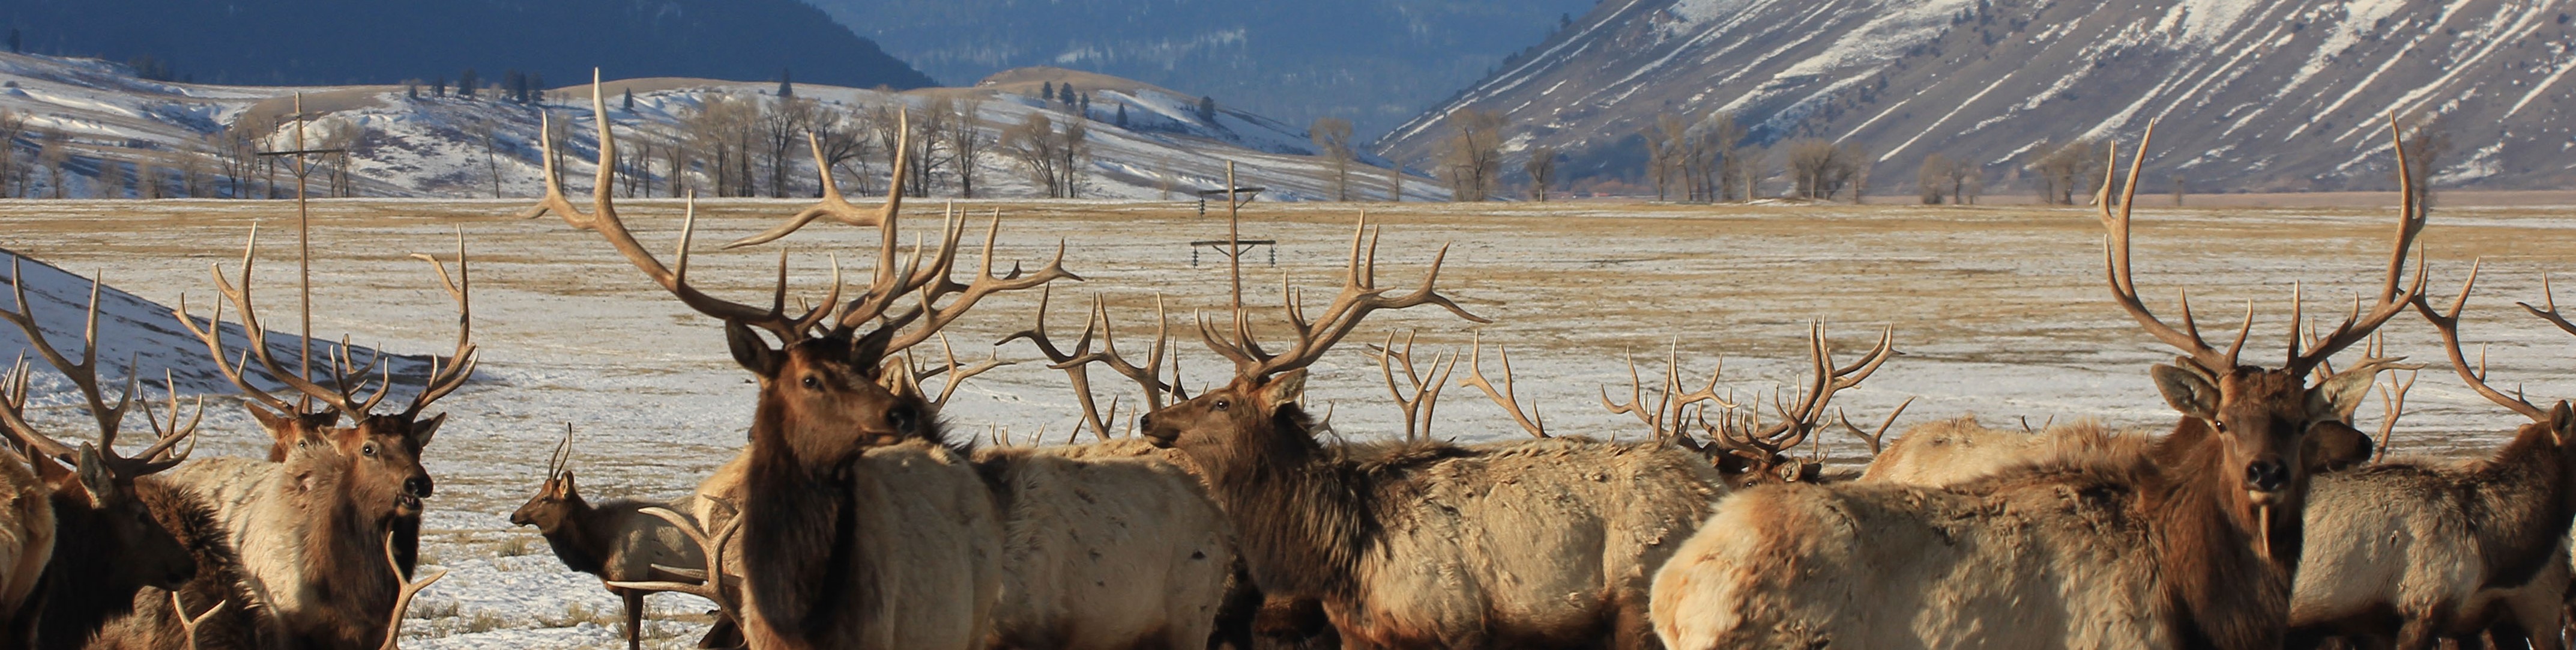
813,384
902,418
369,449
1221,404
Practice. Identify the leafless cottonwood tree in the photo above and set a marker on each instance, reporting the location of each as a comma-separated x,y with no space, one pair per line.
1332,136
1541,168
1472,157
1932,182
848,138
13,125
1051,157
963,135
782,133
2066,171
53,154
1822,169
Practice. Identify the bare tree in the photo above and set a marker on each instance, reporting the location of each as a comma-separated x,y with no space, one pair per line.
1542,171
1035,145
1746,164
1394,182
1853,165
1332,136
967,144
193,177
930,153
486,130
53,154
1473,154
2067,171
1713,145
13,125
2180,188
1932,182
1077,155
1661,153
782,129
847,138
110,181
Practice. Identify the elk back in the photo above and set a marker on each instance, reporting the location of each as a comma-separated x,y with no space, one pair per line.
1110,551
925,556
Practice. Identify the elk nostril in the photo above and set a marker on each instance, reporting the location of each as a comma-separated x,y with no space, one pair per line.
2267,475
419,487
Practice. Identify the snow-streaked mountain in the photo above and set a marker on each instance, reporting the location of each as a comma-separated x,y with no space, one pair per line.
432,147
1374,62
2250,94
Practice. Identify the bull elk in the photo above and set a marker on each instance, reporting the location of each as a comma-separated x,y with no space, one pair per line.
2189,540
308,526
95,541
615,540
1745,450
857,531
2447,547
1533,543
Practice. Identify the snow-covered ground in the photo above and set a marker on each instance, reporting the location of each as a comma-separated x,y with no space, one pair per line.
2000,312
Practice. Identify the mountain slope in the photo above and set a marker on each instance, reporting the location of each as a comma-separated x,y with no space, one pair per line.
278,42
2251,94
1374,62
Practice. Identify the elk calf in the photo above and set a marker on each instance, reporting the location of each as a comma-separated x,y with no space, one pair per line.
614,540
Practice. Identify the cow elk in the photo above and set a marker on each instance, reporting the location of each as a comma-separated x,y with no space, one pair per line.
615,540
308,527
857,530
2446,547
2189,540
1535,543
105,543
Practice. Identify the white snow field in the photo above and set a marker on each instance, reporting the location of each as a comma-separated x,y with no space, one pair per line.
2000,312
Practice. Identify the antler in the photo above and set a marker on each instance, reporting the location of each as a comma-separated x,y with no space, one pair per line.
84,377
2392,396
930,283
603,218
955,373
1360,295
1076,363
402,600
445,377
2549,309
1877,441
2449,326
839,209
1426,394
213,336
2357,326
561,457
188,624
1666,415
255,343
2115,256
1797,421
712,585
1532,422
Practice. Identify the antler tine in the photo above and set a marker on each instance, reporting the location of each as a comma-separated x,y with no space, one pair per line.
2124,289
957,374
1797,421
1419,409
1532,422
402,599
2549,309
83,377
167,435
2410,222
255,340
1636,400
832,204
2449,326
446,377
1077,371
1877,441
712,578
605,221
933,317
188,625
2392,396
212,335
561,457
13,420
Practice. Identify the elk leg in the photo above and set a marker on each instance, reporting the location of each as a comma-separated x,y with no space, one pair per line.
1631,629
634,619
2420,632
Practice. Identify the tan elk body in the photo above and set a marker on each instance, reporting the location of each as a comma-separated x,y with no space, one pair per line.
1105,551
614,540
2186,540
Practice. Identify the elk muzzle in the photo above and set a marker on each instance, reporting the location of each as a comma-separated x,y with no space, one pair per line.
2265,479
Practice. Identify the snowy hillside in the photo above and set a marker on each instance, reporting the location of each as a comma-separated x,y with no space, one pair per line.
147,335
2252,94
405,145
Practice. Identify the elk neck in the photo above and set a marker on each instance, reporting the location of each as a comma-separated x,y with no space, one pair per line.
583,537
2209,542
1303,512
798,534
2522,501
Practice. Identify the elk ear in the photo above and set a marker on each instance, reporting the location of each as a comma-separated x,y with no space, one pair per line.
424,430
868,353
2188,392
50,470
565,487
749,350
279,426
2562,423
1283,390
2341,394
94,475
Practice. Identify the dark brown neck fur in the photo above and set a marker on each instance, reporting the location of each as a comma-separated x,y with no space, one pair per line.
2521,501
2206,541
798,542
1305,513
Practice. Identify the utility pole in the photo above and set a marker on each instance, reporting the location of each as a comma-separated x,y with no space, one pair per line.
302,167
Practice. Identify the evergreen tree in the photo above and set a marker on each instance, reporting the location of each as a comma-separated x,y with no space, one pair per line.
786,84
438,88
1122,116
411,91
14,41
1086,104
536,88
514,84
1046,90
630,99
1207,109
465,84
1064,94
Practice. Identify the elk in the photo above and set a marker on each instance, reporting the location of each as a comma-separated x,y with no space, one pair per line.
857,531
614,540
2447,547
26,537
2189,540
307,527
1533,543
106,544
1746,451
1959,450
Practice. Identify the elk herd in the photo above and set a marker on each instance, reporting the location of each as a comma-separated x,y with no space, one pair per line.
854,518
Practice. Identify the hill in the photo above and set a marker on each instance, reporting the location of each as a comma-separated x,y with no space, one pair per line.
2253,95
317,42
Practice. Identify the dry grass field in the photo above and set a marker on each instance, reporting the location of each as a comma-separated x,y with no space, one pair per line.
2000,312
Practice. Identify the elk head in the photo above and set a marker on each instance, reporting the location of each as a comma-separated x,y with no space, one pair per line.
825,390
556,499
93,485
1257,412
2260,418
2554,427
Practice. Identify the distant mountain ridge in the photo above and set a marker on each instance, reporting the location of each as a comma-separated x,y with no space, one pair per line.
2281,95
1374,62
298,42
